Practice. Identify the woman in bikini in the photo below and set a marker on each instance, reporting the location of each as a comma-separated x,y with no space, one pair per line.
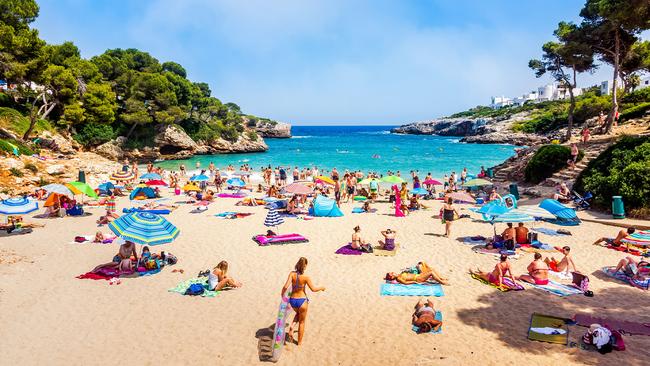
389,239
425,274
537,272
358,243
424,317
218,278
298,298
501,270
449,214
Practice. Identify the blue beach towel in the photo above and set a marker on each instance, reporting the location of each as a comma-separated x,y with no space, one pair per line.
547,231
557,289
357,210
418,289
437,317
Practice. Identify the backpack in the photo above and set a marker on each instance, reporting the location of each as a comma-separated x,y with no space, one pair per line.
195,289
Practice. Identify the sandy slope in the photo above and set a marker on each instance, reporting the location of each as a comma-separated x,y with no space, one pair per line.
49,317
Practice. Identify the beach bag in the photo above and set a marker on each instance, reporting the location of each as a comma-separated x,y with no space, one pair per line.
171,259
532,237
580,281
616,339
79,239
509,244
195,289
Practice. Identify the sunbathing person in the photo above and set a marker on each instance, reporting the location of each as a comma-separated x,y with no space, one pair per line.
508,235
521,234
563,193
617,240
564,264
424,317
537,272
366,207
425,274
358,243
110,216
218,278
16,222
389,239
500,271
633,268
122,260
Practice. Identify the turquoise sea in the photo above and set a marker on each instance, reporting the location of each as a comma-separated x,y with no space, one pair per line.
353,148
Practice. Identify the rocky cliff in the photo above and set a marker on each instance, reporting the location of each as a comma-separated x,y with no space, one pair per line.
273,129
475,130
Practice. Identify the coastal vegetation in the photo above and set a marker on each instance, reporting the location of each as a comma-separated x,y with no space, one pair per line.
122,92
547,160
623,169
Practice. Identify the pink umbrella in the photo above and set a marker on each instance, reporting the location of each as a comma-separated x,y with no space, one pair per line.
156,182
432,182
462,197
297,188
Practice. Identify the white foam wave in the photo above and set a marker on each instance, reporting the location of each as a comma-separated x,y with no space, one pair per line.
302,137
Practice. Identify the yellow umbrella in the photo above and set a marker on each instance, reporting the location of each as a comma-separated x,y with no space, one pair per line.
191,187
325,179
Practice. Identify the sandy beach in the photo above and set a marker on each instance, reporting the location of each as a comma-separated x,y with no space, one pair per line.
50,317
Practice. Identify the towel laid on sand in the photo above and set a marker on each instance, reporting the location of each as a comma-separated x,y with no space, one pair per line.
348,250
548,231
418,289
474,240
622,326
508,285
642,284
542,326
438,317
183,286
385,253
557,289
495,252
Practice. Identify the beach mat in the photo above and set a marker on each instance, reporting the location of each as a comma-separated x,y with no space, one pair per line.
558,289
550,232
4,233
495,252
474,240
418,289
182,287
642,284
506,281
93,276
385,253
348,250
438,317
622,326
540,322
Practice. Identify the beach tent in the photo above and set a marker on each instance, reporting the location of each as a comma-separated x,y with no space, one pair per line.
326,207
145,192
564,215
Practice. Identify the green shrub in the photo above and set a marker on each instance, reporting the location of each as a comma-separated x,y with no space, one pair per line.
31,167
252,135
42,182
6,145
639,96
93,134
15,172
15,121
621,170
590,106
547,160
636,111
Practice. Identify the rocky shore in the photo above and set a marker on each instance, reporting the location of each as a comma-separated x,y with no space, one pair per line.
273,130
475,130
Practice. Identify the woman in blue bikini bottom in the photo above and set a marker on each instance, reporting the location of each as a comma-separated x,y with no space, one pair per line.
298,298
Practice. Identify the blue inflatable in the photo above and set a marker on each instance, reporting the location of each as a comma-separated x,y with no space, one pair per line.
565,216
325,207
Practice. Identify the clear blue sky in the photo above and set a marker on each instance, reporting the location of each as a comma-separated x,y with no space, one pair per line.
329,61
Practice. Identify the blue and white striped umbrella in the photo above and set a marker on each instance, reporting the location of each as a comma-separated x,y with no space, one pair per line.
511,216
144,228
151,176
18,206
273,219
235,182
200,178
59,189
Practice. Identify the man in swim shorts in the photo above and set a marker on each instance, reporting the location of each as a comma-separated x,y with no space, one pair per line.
564,264
617,240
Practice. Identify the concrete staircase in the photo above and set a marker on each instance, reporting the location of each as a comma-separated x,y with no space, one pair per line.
591,150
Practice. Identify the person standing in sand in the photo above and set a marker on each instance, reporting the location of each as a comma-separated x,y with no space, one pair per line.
298,298
449,214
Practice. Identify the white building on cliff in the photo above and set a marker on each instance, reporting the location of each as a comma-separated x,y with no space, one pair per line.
548,92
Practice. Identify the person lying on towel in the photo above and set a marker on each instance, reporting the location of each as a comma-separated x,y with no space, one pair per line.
633,268
424,317
424,274
500,271
617,240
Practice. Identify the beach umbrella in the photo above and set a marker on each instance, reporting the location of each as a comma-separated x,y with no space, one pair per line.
156,182
639,238
81,188
273,219
18,206
106,186
420,191
324,179
58,189
433,182
191,187
298,188
393,179
122,176
235,182
368,180
512,216
462,197
534,211
200,178
144,228
151,176
477,183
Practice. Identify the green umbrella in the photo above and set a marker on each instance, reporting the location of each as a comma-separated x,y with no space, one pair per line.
477,183
392,179
368,180
81,188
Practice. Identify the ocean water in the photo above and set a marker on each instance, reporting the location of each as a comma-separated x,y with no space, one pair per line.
368,148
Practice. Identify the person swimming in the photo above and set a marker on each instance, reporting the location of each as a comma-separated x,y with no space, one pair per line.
298,298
